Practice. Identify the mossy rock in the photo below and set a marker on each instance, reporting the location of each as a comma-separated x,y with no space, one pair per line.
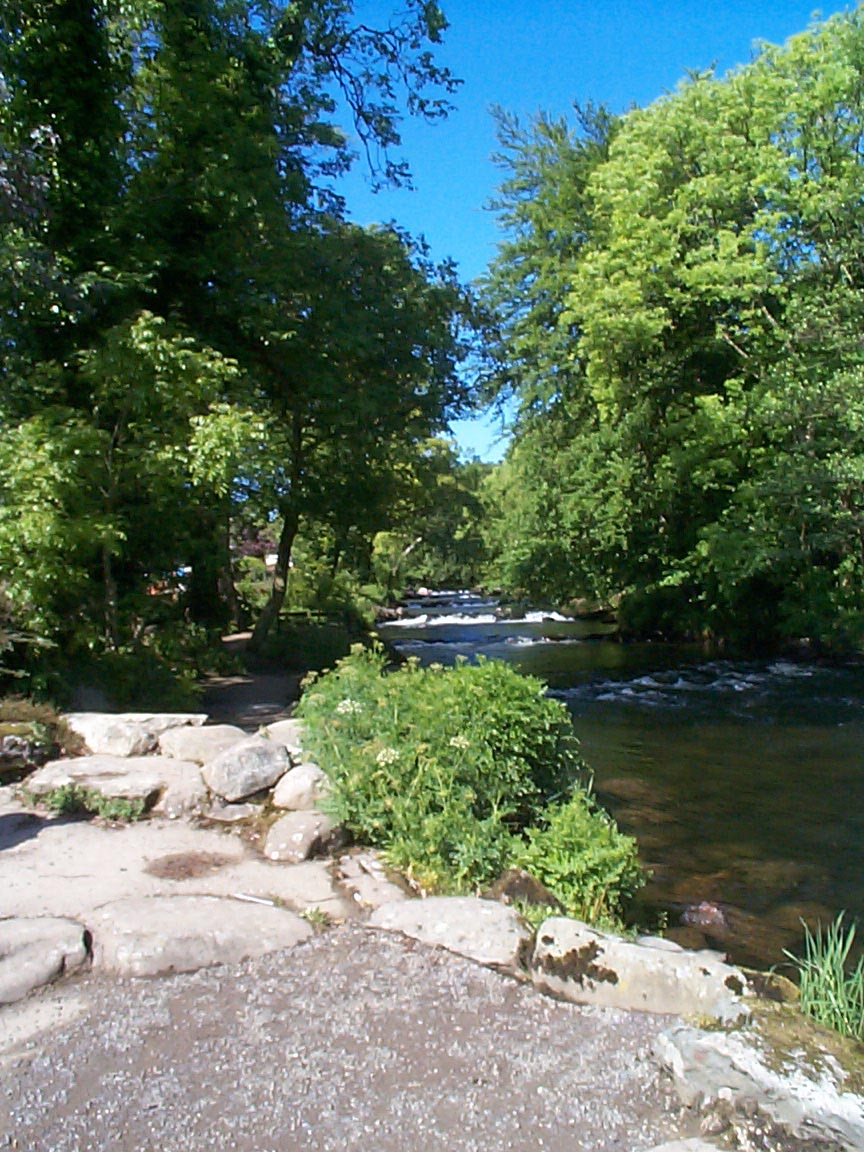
795,1040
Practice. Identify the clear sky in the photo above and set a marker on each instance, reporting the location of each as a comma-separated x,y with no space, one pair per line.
542,55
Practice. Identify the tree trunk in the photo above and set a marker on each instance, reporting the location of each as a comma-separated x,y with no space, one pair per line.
270,611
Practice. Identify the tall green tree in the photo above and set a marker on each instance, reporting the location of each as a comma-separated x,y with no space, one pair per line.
711,469
180,290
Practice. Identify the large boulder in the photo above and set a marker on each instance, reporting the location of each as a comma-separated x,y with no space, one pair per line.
300,789
483,930
578,963
127,733
153,935
36,950
245,768
200,744
184,793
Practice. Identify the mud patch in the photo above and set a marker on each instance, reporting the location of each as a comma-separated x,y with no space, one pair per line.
188,865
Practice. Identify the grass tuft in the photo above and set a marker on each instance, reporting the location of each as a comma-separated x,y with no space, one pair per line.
830,992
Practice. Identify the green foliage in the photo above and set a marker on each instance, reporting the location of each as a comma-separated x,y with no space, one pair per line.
303,643
579,854
681,298
74,800
830,992
160,676
193,332
41,724
446,769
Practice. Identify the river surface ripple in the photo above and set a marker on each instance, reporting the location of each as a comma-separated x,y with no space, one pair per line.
743,781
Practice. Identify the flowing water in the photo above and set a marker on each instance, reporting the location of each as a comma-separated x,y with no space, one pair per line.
742,781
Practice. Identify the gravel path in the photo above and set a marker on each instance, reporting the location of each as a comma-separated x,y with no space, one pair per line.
355,1040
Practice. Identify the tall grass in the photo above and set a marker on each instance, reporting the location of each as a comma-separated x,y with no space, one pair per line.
830,992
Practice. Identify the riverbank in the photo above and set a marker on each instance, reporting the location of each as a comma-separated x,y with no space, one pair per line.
365,1040
351,1039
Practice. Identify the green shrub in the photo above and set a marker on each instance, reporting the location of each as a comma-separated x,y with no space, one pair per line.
831,993
446,769
579,854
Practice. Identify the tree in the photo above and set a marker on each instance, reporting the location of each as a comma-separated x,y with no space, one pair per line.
189,323
712,313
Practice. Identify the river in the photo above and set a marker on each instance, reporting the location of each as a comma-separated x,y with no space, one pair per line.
743,781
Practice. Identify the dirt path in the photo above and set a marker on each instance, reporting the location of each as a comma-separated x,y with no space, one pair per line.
249,699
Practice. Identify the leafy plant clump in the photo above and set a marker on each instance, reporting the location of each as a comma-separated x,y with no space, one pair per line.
459,774
578,853
73,800
830,992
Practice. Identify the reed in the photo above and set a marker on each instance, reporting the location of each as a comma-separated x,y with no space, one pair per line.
832,992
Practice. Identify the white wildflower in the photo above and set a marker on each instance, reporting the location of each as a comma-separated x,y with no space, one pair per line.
349,707
460,742
387,756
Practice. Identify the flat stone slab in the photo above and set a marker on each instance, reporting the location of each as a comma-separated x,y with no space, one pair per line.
245,768
60,868
574,961
803,1096
300,789
152,936
37,950
127,733
200,744
297,836
114,777
483,930
288,733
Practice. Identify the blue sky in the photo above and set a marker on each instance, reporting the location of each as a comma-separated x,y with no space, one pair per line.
533,55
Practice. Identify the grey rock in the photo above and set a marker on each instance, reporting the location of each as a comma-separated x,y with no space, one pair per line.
221,813
126,733
365,879
801,1094
483,930
300,789
114,777
36,950
200,744
151,936
246,768
297,836
289,733
185,793
580,964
